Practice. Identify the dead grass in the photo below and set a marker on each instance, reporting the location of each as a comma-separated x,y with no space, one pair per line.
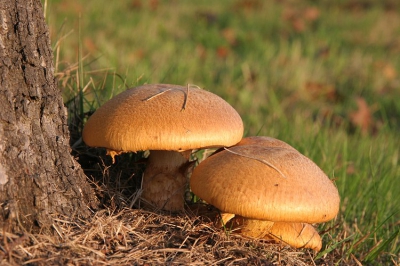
140,237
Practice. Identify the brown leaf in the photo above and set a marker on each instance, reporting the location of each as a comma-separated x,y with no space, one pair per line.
154,4
389,72
229,35
136,4
136,55
298,25
72,6
317,91
311,14
201,51
222,51
288,14
386,68
362,117
90,45
300,19
248,4
351,169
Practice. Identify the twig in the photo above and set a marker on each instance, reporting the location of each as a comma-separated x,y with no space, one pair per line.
77,143
157,94
302,229
257,159
167,90
58,231
135,197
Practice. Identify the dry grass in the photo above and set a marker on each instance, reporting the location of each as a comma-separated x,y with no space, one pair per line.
139,237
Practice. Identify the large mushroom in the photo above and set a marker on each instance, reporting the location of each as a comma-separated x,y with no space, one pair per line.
267,189
170,121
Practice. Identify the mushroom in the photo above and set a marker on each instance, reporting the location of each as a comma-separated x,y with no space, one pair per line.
170,121
269,190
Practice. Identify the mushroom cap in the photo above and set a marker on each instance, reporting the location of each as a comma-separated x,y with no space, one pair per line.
261,141
264,141
163,117
267,183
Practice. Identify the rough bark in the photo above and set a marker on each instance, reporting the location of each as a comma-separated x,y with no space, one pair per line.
38,175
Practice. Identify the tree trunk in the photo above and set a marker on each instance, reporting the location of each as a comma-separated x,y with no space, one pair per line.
38,175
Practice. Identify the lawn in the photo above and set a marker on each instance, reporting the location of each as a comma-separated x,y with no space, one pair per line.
322,76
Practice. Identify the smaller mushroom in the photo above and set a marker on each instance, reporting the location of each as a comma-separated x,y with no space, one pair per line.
269,190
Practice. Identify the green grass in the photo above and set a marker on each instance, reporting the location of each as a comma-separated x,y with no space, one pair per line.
290,75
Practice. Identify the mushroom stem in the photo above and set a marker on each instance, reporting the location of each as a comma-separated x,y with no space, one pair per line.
298,235
165,180
252,227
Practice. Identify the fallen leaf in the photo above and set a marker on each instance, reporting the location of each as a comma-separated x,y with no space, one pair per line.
248,4
222,51
136,4
201,51
72,6
298,24
90,45
389,72
362,117
288,14
153,4
317,91
300,19
311,14
136,55
351,169
229,35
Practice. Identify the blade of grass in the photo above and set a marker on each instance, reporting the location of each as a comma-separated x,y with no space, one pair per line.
376,251
333,247
80,74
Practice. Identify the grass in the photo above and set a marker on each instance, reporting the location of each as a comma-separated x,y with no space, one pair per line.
295,70
138,237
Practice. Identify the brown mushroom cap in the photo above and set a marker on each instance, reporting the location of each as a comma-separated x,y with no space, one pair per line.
163,117
264,141
267,183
